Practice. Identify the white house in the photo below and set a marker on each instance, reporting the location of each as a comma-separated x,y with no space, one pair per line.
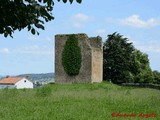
15,82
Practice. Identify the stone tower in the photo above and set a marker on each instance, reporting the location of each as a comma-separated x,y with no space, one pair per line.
92,60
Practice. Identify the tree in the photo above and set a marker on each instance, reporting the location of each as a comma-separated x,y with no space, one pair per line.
123,63
118,56
143,71
156,75
19,14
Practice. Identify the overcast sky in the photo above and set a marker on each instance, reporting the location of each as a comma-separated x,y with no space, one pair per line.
138,20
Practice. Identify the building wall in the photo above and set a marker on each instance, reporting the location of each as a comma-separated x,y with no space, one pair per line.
96,42
24,83
97,65
85,73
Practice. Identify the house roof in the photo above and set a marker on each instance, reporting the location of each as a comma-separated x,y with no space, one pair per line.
10,80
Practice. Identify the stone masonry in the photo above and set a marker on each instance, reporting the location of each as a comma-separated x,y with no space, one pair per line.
92,60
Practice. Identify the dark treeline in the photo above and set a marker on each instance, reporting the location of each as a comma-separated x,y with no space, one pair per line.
123,63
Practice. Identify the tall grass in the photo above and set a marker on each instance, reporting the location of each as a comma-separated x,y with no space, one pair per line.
78,102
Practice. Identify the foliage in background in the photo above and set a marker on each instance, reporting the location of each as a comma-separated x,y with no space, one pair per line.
143,72
156,75
123,63
71,56
117,63
19,14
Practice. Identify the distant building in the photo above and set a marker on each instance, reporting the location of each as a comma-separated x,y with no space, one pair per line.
15,82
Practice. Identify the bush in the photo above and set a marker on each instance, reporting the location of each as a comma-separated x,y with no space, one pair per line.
156,75
71,56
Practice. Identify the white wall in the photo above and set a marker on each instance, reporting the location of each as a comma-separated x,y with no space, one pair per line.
24,83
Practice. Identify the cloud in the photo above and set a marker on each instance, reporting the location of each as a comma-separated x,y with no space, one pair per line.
33,38
152,46
35,50
149,48
135,21
80,20
101,31
48,39
146,46
4,51
36,38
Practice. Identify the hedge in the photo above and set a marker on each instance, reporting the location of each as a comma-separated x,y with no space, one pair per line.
71,56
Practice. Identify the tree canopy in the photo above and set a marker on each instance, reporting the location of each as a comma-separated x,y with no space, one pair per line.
30,14
123,62
156,75
143,71
117,54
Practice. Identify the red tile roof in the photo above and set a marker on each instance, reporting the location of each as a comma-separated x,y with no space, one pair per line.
10,80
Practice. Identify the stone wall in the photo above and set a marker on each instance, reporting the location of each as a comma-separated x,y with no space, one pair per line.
97,65
96,42
91,66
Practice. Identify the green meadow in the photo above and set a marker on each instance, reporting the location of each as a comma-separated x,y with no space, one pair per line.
98,101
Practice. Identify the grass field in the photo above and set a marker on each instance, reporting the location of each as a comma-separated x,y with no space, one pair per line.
79,102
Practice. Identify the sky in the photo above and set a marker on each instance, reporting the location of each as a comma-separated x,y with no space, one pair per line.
138,20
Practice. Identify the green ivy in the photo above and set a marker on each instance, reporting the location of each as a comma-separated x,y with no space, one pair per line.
71,56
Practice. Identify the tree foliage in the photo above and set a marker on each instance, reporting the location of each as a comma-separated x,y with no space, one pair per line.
117,54
123,63
143,70
71,56
156,75
30,14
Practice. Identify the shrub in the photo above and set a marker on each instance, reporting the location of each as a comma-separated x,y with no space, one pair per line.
156,75
71,56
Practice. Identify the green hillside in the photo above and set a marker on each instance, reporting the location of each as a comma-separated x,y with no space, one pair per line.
79,102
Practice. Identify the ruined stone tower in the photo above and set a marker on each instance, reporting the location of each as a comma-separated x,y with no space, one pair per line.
92,60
